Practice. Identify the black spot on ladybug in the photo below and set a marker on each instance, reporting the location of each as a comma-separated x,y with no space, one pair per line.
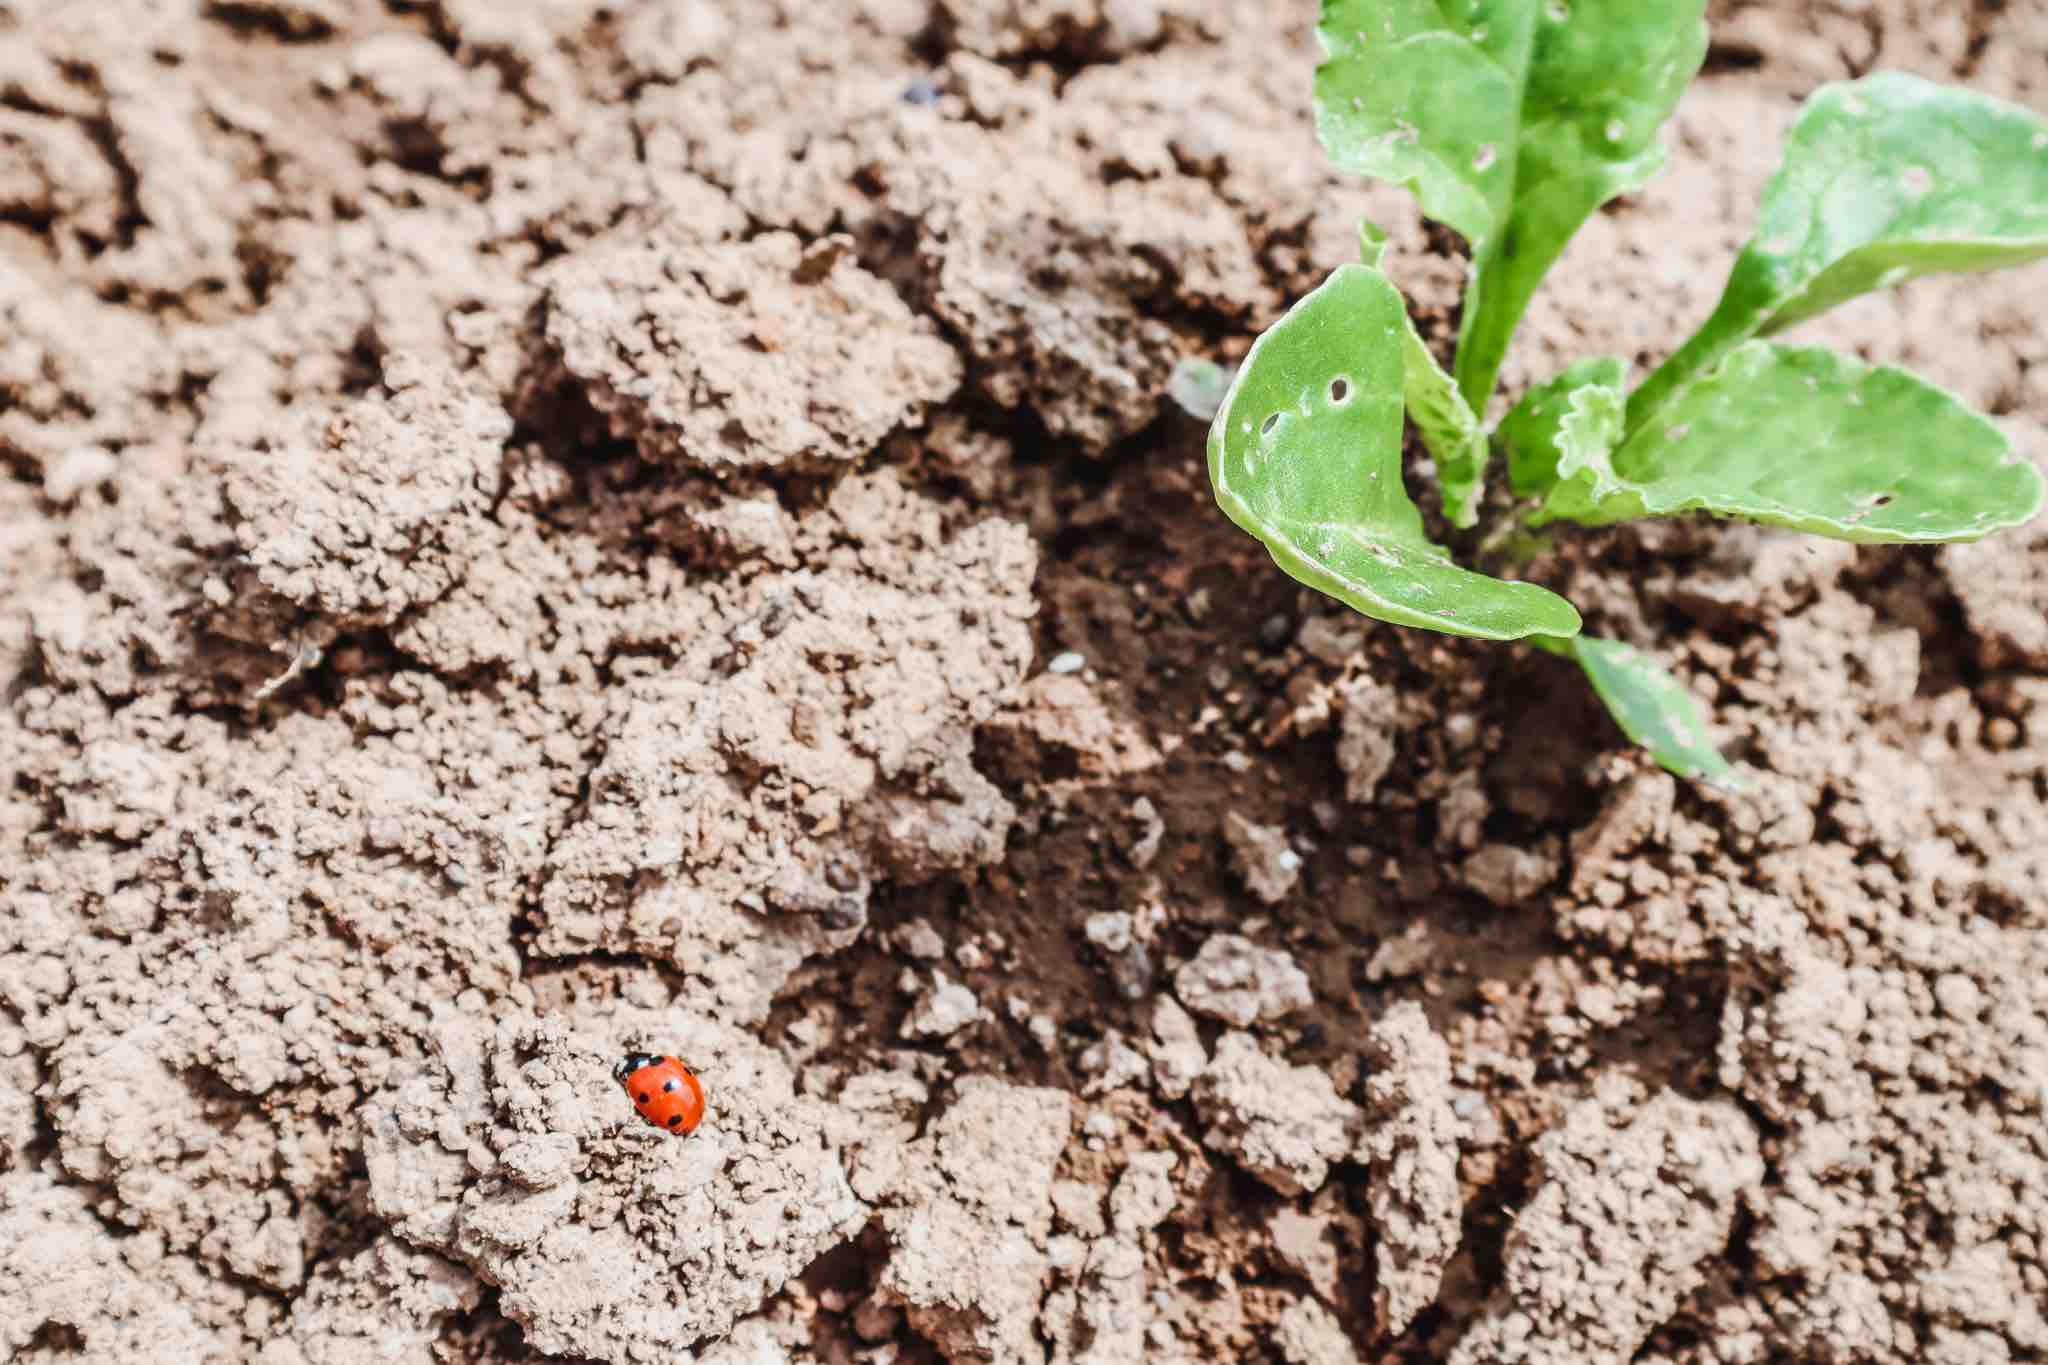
644,1097
675,1120
668,1086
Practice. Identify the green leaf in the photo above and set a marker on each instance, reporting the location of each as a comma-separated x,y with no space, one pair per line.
1449,428
1511,123
1653,708
1578,411
1807,439
1305,454
1372,242
1884,179
1456,440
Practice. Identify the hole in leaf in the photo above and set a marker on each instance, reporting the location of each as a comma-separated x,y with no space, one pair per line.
1485,157
1340,389
1266,427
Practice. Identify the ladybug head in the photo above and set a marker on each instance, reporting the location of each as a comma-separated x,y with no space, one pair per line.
629,1064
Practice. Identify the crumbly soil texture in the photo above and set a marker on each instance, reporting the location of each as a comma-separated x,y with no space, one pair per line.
534,531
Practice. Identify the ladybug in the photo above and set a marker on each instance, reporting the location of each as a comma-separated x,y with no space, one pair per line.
667,1093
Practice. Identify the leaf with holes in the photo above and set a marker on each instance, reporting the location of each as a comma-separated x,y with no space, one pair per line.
1511,123
1653,708
1305,454
1884,179
1804,438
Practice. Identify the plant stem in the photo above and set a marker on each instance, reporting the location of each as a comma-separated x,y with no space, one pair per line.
1741,313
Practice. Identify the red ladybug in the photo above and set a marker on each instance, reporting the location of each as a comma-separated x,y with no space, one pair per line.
666,1092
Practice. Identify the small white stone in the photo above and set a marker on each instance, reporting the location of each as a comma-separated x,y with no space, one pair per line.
946,1008
1112,1064
921,941
76,470
1262,857
1958,996
1237,981
1175,1049
1109,930
1067,662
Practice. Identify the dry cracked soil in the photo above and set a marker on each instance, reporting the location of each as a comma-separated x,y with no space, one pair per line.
540,529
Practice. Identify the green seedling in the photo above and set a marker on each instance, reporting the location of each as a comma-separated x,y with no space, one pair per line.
1511,123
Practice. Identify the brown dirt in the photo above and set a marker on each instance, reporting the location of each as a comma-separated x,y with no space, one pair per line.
536,530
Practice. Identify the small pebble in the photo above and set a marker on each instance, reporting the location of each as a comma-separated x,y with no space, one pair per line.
1277,630
921,941
1958,996
943,1010
76,470
1067,662
1131,970
1147,846
1241,983
1130,966
1109,930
